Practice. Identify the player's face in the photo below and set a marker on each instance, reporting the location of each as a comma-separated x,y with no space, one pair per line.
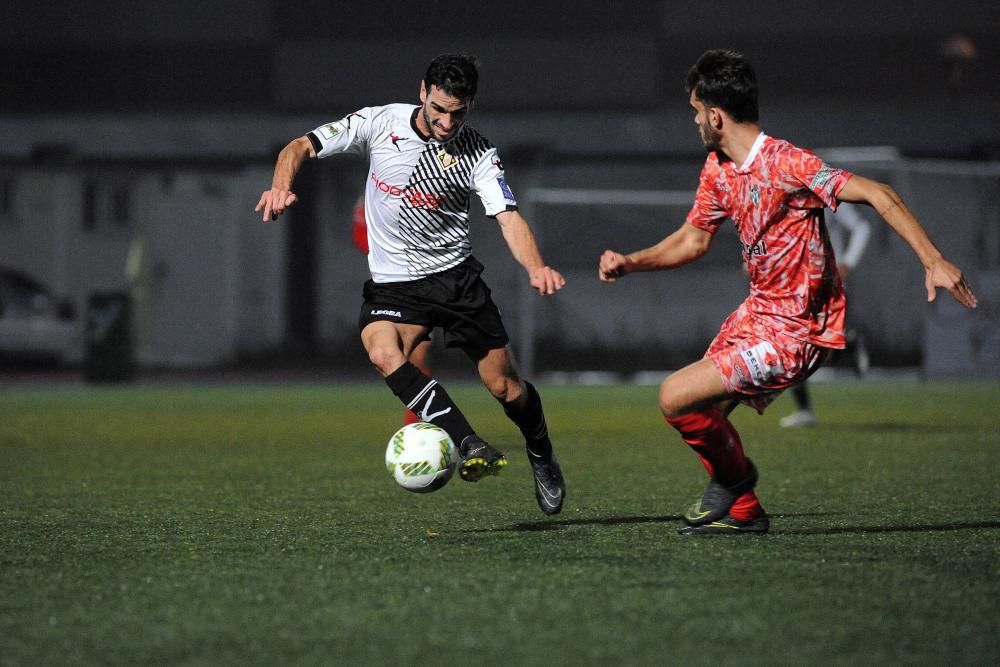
441,114
703,119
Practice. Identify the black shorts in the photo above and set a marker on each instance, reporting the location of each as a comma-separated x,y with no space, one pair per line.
457,300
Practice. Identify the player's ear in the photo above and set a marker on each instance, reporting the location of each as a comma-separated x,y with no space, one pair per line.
715,117
423,91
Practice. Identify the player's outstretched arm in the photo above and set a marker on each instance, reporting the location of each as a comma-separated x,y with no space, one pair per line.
888,204
682,247
273,202
523,246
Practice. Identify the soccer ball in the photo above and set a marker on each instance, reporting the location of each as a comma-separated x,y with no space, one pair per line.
421,457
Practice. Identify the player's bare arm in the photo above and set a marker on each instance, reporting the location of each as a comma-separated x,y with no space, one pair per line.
682,247
889,205
524,248
274,201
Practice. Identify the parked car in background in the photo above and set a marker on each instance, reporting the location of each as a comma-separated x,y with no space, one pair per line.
36,326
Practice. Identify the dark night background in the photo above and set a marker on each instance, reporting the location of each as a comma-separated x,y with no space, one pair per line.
138,123
260,57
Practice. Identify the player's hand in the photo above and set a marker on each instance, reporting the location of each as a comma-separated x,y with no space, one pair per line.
546,280
613,265
943,273
274,202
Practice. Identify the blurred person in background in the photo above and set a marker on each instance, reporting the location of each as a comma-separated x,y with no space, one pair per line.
958,54
425,164
774,193
849,233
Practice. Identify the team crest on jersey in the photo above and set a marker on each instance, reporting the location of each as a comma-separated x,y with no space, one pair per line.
755,195
447,160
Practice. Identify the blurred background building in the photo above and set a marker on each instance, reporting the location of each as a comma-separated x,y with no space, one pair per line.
136,137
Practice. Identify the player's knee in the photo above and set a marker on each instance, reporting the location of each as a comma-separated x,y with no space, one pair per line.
671,404
671,411
385,358
505,389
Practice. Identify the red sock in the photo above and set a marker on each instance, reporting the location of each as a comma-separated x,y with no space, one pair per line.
746,507
714,439
716,442
409,417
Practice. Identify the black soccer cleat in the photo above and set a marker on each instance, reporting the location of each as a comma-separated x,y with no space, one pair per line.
550,487
719,497
730,526
479,459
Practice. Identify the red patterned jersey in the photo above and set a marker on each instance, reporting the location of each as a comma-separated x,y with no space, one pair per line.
776,200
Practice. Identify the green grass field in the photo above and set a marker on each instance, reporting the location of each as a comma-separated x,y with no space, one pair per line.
256,525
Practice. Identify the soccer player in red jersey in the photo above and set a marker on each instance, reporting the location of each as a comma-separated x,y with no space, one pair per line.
775,194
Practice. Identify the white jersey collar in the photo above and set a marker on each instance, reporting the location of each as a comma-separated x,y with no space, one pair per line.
758,142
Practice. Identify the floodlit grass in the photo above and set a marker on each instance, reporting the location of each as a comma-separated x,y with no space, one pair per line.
211,525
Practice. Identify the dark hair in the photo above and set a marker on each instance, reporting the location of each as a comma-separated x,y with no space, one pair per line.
724,79
455,74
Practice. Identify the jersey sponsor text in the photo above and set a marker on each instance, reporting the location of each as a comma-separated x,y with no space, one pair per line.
416,198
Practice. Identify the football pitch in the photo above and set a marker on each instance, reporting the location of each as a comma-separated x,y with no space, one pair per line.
256,525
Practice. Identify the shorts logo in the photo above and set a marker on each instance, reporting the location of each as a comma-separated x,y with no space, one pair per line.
390,313
505,189
447,160
763,363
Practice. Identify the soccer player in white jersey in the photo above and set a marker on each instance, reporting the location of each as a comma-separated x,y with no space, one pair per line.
424,166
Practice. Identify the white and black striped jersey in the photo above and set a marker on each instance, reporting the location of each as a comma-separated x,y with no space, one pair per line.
419,190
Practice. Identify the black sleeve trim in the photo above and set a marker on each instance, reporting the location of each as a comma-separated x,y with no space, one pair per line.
314,140
509,208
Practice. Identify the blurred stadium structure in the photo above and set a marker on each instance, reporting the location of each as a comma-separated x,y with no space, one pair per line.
135,150
665,319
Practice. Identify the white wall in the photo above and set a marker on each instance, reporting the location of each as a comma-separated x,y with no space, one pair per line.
207,278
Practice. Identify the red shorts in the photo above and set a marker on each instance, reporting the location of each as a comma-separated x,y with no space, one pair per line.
757,363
